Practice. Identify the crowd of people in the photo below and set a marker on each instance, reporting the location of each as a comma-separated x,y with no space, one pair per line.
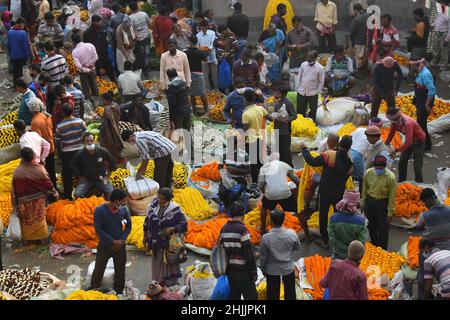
198,56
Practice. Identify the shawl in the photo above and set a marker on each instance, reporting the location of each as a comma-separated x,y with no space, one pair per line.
30,179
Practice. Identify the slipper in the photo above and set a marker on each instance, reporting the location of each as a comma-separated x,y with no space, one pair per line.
322,244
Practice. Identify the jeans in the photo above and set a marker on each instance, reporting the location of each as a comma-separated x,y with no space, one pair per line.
85,186
254,151
210,71
302,105
67,173
242,44
420,99
89,84
325,200
273,287
101,260
50,167
416,150
241,283
17,67
330,40
376,101
376,212
163,171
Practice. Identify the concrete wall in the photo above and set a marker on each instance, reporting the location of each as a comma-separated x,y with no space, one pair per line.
401,11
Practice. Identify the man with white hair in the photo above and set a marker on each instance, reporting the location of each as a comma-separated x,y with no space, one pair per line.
273,184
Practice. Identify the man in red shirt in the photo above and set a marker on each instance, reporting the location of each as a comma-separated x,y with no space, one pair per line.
345,280
414,143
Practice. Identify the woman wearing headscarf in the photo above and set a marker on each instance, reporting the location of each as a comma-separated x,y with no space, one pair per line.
272,42
30,187
346,225
126,39
164,218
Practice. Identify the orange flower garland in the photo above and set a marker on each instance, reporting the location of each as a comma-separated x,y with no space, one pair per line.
316,268
290,222
413,252
407,201
388,262
396,141
378,294
208,171
74,221
205,235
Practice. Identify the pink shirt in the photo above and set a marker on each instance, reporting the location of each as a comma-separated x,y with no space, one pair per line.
85,56
34,141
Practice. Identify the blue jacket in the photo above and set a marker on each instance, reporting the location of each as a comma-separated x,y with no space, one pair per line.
18,44
109,226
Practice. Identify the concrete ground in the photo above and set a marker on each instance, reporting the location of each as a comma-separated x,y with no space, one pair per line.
139,270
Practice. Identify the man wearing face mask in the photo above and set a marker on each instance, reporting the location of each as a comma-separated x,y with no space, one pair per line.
378,200
311,79
92,166
112,224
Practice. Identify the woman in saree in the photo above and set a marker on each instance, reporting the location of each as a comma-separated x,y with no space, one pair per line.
164,218
109,136
126,39
272,42
30,186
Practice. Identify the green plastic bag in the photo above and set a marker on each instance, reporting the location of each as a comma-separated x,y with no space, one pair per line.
292,95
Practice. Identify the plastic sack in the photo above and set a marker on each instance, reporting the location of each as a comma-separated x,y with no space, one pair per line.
200,280
139,189
14,231
227,180
396,280
441,124
139,207
10,153
292,95
361,115
400,293
224,75
155,110
222,289
336,111
108,276
443,183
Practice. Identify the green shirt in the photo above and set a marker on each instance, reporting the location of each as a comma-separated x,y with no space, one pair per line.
380,187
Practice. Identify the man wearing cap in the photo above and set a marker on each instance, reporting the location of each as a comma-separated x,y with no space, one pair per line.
424,93
384,86
378,200
377,145
346,224
344,279
414,143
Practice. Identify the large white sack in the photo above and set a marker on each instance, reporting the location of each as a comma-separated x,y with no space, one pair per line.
139,189
439,125
336,111
108,276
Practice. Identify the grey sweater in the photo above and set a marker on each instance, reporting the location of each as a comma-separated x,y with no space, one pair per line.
279,250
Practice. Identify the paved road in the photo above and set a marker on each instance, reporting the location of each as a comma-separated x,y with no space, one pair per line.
140,270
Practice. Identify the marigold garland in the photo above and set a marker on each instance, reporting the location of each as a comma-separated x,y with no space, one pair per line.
387,262
378,294
90,295
316,268
413,252
193,204
407,201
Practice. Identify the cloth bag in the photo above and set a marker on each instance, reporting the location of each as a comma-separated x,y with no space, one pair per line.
218,259
176,250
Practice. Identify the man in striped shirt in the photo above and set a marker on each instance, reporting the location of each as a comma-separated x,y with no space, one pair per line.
241,268
69,140
153,146
56,67
437,265
78,96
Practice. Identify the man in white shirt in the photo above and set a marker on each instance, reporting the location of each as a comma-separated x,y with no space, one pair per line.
311,79
130,83
206,39
33,140
359,149
272,181
141,24
441,28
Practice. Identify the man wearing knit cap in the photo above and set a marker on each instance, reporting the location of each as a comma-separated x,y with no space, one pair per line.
346,224
384,85
378,200
414,143
376,146
344,279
